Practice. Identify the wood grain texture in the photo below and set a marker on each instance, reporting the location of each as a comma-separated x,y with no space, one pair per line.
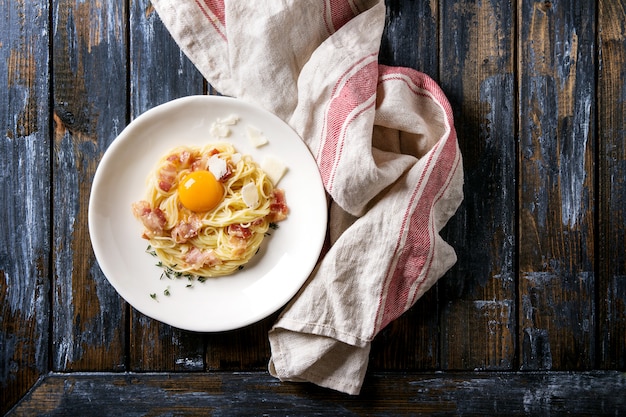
89,84
612,183
245,349
410,342
159,72
469,394
557,251
538,92
477,297
24,197
410,38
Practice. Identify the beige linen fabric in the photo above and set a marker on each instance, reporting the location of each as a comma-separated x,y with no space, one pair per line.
384,141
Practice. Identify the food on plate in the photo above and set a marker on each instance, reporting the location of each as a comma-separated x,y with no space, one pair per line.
256,137
207,210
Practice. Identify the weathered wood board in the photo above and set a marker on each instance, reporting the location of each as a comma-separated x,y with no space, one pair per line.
538,91
476,394
478,300
159,72
557,279
24,197
611,194
89,88
411,342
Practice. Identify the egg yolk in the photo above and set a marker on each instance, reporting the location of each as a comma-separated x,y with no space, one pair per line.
200,191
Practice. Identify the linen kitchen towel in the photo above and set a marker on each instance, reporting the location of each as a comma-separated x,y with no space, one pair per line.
385,144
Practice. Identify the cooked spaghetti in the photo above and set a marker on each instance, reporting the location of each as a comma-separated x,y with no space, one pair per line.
207,209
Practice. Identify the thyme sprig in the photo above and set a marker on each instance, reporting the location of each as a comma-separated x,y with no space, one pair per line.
170,273
273,226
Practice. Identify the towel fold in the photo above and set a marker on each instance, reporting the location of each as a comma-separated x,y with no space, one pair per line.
385,144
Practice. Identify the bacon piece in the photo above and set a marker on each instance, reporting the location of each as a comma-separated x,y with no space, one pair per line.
239,236
167,176
175,163
278,206
238,231
186,230
153,219
239,246
198,258
182,159
200,163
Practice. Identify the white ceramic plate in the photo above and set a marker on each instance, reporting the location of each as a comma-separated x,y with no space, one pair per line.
268,281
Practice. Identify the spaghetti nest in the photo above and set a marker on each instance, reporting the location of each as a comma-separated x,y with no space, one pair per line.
218,241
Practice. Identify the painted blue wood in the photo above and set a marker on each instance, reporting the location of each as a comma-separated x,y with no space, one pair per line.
25,228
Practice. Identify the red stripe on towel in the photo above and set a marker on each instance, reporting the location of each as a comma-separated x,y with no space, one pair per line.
357,90
215,12
414,258
336,14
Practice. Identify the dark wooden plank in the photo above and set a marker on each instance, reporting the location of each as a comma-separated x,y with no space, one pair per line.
612,183
159,72
410,35
25,197
478,298
245,349
556,259
411,341
89,84
517,394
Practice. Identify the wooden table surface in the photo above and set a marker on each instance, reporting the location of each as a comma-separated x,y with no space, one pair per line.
531,320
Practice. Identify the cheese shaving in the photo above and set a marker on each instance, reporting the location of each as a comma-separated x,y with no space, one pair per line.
217,166
256,137
274,169
250,195
220,127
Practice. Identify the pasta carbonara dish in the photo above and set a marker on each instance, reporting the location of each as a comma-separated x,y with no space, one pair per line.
207,209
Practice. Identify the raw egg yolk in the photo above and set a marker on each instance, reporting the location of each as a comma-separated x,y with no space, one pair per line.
200,191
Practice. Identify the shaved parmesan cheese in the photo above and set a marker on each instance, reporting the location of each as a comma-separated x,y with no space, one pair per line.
274,169
231,120
235,158
250,195
256,137
217,166
220,129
